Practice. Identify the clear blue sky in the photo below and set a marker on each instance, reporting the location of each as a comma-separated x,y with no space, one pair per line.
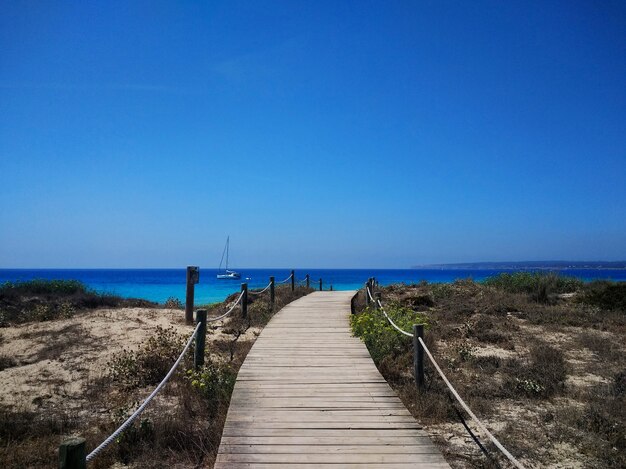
316,134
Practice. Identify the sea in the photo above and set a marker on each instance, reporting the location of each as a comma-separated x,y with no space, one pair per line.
160,284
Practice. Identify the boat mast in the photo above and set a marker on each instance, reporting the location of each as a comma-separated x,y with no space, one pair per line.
222,259
227,249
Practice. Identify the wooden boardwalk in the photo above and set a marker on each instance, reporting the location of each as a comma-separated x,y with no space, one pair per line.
309,395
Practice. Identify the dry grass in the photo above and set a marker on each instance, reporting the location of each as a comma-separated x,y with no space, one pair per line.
546,372
182,426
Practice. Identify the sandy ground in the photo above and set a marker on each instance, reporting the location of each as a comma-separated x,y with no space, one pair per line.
56,361
530,413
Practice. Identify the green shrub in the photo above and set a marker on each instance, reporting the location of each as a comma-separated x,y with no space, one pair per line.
150,363
540,285
606,295
379,336
46,300
214,381
43,287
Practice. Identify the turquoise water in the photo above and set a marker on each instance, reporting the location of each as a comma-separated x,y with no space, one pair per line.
161,284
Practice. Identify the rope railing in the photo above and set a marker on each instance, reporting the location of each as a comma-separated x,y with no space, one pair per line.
251,292
143,406
385,313
454,392
153,394
72,454
229,311
286,280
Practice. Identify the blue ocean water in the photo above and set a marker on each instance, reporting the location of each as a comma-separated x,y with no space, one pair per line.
160,284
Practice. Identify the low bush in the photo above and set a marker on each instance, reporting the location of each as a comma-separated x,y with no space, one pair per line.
173,303
542,376
539,285
605,419
150,363
7,362
606,295
379,336
47,300
215,382
43,287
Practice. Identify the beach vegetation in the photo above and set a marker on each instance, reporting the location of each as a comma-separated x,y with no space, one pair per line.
540,286
173,303
381,338
148,365
551,357
181,427
215,382
606,295
47,300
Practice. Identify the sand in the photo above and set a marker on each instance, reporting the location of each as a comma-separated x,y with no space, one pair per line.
56,361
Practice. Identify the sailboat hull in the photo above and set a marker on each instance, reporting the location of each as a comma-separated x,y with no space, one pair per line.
229,276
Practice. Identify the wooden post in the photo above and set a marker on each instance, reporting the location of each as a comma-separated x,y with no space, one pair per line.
244,300
370,284
193,276
418,355
308,281
198,359
272,293
72,454
376,299
320,284
331,287
293,280
367,297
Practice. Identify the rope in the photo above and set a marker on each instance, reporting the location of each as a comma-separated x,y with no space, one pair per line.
286,280
259,292
471,433
227,312
493,439
385,313
408,334
141,408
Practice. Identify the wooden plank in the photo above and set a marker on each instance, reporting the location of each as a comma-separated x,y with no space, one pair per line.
327,440
413,465
308,394
410,448
325,458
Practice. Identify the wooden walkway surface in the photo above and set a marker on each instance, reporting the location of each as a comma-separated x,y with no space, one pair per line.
309,395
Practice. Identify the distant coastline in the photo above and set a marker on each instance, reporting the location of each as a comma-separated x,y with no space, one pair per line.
528,265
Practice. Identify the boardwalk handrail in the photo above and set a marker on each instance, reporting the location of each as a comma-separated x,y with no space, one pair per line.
251,292
229,311
287,279
143,406
77,447
385,313
160,386
454,392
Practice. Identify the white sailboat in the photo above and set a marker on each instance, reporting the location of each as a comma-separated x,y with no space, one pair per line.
227,274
